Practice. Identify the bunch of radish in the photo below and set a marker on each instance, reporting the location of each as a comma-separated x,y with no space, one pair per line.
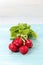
21,35
20,44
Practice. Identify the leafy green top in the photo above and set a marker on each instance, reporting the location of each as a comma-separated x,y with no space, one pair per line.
23,29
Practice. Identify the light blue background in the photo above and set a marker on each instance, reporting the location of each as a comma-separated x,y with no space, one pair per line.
34,56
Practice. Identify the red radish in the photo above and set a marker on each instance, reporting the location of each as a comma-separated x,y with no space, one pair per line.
18,42
12,47
29,43
23,49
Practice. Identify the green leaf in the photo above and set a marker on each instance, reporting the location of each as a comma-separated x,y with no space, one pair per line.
34,34
26,32
14,28
12,38
20,31
22,26
28,26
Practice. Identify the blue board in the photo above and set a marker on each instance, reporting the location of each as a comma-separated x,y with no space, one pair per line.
34,56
